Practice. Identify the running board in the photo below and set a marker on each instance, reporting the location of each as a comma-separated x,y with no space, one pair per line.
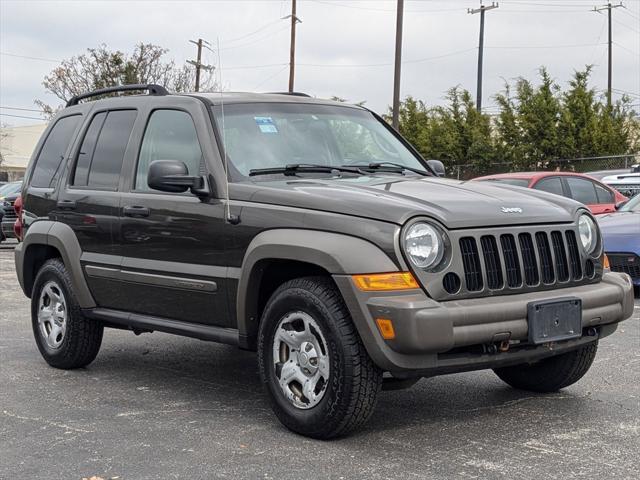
136,321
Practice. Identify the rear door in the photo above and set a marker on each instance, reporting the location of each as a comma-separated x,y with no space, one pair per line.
584,191
90,198
172,244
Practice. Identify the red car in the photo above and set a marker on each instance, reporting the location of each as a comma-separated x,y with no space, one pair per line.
599,197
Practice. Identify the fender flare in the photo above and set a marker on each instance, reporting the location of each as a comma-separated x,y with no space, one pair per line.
62,238
338,254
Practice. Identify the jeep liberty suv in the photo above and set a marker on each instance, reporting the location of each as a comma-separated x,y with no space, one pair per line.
312,232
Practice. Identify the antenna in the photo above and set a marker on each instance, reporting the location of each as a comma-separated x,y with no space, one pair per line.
232,219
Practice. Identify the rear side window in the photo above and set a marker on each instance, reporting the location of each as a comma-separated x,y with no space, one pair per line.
170,135
604,195
582,190
102,151
551,185
49,160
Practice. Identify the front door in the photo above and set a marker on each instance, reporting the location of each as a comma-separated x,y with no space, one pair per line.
173,261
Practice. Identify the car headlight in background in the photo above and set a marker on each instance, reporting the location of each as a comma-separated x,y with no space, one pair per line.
588,233
424,245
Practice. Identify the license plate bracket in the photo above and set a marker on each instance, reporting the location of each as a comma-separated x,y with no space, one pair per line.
554,320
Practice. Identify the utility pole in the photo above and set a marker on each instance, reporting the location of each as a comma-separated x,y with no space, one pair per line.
198,62
292,49
398,63
480,10
609,7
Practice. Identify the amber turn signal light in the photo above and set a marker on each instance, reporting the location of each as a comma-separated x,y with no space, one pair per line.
605,262
386,328
385,281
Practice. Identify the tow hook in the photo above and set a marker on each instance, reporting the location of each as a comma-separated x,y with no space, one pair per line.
504,345
592,332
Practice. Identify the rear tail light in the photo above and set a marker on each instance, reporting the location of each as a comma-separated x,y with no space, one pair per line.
17,226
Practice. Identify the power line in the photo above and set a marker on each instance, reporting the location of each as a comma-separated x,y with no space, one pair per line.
373,9
30,58
386,64
22,109
20,116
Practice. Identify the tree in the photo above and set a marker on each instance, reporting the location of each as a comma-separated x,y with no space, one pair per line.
101,67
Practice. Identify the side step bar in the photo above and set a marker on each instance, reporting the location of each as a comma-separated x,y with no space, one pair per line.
145,322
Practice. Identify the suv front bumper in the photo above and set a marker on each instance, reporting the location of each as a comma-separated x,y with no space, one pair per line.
426,329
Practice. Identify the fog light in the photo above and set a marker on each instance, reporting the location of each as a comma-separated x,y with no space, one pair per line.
386,328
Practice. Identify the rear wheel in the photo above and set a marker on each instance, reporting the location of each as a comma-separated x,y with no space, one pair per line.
65,338
317,373
551,374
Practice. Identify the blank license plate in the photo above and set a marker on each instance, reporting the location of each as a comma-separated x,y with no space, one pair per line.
554,320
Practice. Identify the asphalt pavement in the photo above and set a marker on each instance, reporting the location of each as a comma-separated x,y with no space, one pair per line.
158,406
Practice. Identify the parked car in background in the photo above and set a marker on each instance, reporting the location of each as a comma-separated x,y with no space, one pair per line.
621,234
8,194
599,197
600,174
626,183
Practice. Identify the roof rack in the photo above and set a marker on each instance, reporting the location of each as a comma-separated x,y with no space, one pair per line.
295,94
152,88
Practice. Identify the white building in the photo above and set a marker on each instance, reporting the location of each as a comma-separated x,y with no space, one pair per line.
16,147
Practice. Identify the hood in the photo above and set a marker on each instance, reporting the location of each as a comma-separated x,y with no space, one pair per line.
395,199
622,223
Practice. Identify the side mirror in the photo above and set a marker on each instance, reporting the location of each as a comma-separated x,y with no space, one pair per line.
619,205
437,166
173,176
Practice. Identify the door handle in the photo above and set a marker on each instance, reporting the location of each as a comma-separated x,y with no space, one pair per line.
66,204
136,211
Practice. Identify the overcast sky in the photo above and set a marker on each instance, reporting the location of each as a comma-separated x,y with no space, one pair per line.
344,48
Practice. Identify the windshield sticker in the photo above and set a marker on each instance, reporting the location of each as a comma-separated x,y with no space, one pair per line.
266,125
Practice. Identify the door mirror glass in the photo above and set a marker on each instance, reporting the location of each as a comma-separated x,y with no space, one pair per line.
172,176
437,166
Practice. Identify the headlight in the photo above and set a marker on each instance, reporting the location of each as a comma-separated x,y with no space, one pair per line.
424,245
588,233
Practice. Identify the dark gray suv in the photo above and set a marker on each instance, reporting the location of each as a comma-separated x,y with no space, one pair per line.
309,231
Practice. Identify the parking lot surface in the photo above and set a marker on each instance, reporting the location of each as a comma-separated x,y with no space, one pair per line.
158,406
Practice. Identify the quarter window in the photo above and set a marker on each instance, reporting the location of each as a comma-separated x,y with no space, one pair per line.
170,135
582,190
47,167
604,195
551,185
103,147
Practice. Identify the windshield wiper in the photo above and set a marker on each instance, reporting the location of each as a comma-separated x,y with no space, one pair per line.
292,169
392,167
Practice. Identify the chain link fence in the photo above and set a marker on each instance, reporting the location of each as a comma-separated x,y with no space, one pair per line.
582,165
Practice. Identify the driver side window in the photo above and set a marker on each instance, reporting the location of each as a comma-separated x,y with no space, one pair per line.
170,135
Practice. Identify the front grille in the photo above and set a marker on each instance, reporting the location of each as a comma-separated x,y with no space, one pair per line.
9,211
628,190
525,261
628,263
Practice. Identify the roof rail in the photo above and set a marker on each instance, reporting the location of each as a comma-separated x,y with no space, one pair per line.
152,88
295,94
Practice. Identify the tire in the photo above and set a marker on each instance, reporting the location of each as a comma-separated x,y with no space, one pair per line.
345,399
73,341
551,374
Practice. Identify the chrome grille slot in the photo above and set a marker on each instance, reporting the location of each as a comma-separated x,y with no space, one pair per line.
491,256
562,267
511,261
471,264
531,276
574,255
546,261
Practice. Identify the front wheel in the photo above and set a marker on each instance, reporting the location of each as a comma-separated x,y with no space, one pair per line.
551,374
65,338
317,373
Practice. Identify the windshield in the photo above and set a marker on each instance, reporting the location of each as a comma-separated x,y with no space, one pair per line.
10,189
632,205
268,135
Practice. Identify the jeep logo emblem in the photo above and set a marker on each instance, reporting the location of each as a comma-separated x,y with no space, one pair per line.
511,210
